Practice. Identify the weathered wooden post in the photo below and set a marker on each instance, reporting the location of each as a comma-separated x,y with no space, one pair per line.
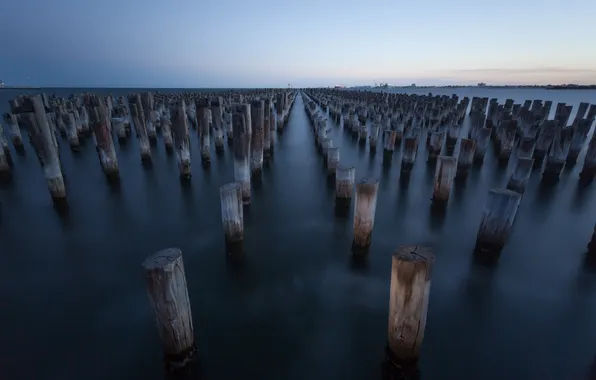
389,143
166,133
374,136
257,112
241,151
592,244
267,129
146,107
5,169
218,123
100,124
344,186
181,139
11,121
202,107
232,216
411,272
409,155
50,159
444,176
497,220
435,145
168,295
71,131
144,143
465,158
364,213
482,139
589,169
520,176
332,160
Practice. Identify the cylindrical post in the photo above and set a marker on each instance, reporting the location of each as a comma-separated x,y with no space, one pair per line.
50,159
520,176
181,139
589,169
444,175
257,112
203,112
216,105
409,155
465,158
267,129
374,136
166,133
100,124
168,295
389,143
497,220
332,160
435,145
71,131
5,170
344,185
146,106
232,215
141,130
10,119
482,139
364,214
241,151
411,271
592,244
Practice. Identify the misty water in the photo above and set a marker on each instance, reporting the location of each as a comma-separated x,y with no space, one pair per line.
73,301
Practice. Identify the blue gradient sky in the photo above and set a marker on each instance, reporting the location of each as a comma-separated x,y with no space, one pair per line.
259,43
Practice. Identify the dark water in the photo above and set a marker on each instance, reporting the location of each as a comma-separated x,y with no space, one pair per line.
73,302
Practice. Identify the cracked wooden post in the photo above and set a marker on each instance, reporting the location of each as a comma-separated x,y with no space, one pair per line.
592,244
146,107
374,136
11,121
166,133
364,214
216,105
332,160
465,158
202,109
389,142
181,139
241,151
257,113
435,145
71,131
344,186
482,139
232,216
497,220
144,143
409,155
267,129
100,124
520,176
50,159
168,294
444,176
5,165
589,169
411,272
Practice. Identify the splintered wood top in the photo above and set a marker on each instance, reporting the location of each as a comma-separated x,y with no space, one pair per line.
161,259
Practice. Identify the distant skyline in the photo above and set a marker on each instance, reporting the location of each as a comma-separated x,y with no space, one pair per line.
266,43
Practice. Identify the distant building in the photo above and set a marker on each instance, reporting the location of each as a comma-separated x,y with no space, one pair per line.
481,84
413,85
1,84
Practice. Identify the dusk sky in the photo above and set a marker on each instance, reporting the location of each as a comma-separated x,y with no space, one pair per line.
266,43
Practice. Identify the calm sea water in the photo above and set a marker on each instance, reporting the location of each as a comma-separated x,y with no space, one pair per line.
73,302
